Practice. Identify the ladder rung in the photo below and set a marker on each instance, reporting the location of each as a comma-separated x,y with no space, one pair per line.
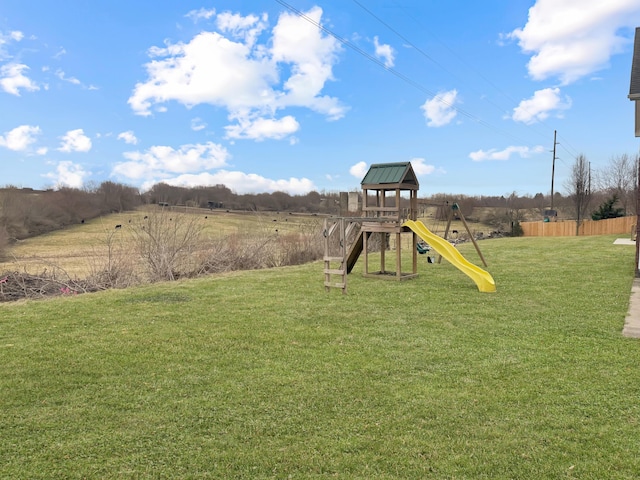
333,271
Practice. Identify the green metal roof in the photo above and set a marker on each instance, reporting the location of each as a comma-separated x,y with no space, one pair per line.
390,173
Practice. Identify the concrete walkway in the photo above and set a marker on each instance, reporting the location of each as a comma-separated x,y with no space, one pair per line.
632,322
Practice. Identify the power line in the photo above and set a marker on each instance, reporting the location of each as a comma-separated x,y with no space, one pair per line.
398,74
463,61
420,50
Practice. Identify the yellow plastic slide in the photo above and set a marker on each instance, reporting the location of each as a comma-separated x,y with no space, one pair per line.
483,279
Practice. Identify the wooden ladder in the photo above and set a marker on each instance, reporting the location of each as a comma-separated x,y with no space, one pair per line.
335,256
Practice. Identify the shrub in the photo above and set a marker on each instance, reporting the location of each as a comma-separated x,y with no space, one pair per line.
165,241
516,229
112,265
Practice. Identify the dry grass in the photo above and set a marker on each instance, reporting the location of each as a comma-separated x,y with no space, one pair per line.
81,249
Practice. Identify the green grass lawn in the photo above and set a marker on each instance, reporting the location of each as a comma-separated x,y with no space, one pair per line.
263,374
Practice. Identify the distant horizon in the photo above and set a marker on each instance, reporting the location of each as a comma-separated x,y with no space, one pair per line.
301,96
330,192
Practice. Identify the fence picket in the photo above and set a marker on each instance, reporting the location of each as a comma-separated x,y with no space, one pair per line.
611,226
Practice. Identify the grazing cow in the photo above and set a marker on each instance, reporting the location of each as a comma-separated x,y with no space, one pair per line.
455,232
82,221
145,217
118,226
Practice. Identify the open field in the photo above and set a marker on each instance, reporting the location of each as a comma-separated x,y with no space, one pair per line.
80,249
261,374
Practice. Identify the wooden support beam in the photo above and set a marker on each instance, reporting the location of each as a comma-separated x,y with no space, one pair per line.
475,244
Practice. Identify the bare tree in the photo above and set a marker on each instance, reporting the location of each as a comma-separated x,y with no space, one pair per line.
165,240
618,179
578,187
111,265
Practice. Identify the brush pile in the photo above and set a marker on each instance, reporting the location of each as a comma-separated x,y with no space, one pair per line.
20,285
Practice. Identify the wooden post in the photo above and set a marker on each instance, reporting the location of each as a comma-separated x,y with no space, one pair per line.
446,229
475,244
383,249
398,256
327,275
382,202
414,237
365,250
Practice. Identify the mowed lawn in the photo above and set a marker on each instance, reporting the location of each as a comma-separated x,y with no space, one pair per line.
262,374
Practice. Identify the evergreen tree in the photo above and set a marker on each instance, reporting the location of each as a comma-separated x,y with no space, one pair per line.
608,210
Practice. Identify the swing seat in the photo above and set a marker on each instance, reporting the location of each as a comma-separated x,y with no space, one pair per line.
422,249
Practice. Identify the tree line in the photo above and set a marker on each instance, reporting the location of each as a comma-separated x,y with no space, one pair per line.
25,212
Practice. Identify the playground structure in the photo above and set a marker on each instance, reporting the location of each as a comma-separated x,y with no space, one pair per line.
385,212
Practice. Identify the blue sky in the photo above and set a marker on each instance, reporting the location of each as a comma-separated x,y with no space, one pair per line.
298,95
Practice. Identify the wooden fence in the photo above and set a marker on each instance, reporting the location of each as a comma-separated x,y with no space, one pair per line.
621,226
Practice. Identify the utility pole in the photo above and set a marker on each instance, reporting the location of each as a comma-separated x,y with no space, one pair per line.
553,165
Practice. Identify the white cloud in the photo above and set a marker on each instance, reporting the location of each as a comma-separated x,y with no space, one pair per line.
421,168
201,14
245,28
68,174
209,69
61,52
494,154
311,57
75,141
73,80
570,39
539,107
359,170
240,182
20,138
385,52
231,70
128,137
12,79
6,39
62,76
440,110
197,124
163,161
263,128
